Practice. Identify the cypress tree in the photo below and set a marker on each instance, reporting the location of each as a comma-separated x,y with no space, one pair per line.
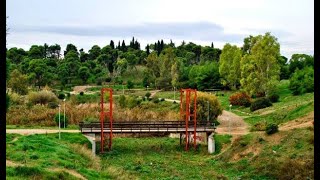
112,44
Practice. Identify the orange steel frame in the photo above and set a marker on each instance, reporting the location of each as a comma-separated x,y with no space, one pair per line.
188,115
103,115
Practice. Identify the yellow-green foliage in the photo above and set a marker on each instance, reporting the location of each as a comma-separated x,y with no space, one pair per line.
42,97
203,98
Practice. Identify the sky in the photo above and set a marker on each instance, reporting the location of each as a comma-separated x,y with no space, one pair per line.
85,23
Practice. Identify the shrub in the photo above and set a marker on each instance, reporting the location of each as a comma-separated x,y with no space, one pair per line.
240,99
132,101
260,126
271,128
56,118
16,99
81,93
53,105
108,79
155,100
162,99
215,108
130,84
274,98
100,80
129,101
260,103
68,94
122,101
42,97
61,96
302,81
148,94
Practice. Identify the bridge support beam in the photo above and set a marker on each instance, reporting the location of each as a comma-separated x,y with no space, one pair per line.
92,138
211,143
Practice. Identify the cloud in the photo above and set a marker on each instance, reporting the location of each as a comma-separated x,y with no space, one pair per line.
204,31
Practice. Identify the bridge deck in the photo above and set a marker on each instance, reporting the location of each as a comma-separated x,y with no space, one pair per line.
146,127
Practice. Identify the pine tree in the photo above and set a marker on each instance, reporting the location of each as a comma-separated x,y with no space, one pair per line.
112,44
119,47
212,45
123,46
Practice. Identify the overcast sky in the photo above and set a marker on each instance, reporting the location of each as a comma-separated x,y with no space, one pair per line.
96,22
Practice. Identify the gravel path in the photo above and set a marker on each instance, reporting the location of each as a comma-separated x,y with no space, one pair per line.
232,124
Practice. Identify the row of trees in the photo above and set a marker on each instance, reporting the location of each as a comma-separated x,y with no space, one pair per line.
254,67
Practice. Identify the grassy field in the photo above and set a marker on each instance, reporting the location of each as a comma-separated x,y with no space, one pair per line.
254,156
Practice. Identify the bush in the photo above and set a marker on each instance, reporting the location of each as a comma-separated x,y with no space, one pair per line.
100,80
129,101
42,97
61,96
162,99
148,94
155,100
274,98
108,79
240,99
215,108
81,93
271,128
302,81
16,99
53,105
122,101
130,84
56,118
260,103
68,94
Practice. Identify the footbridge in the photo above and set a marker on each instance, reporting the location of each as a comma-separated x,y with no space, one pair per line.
188,127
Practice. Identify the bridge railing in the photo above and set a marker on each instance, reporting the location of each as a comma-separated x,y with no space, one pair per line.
146,125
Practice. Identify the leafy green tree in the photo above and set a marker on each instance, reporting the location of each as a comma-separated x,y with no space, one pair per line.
94,52
302,81
54,51
84,73
70,47
153,64
18,82
36,52
16,55
122,65
38,72
300,61
284,68
112,44
260,69
229,66
72,63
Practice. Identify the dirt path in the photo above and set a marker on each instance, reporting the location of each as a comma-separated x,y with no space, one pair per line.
37,131
231,123
153,93
306,121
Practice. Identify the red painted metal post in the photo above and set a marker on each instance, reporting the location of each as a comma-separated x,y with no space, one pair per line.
102,121
111,119
187,117
195,119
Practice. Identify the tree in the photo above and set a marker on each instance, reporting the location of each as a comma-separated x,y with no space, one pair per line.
302,81
70,47
36,52
16,55
18,82
38,72
229,66
72,63
84,73
148,49
112,44
300,61
130,84
122,65
94,52
54,51
260,69
123,46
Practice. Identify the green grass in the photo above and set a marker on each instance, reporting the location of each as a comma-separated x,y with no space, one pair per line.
163,157
281,116
168,95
